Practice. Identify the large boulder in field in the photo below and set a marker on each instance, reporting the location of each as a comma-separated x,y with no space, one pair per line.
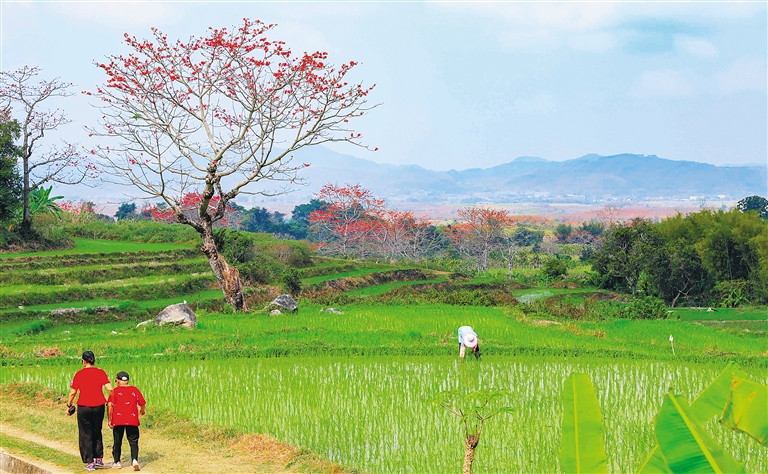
177,314
285,302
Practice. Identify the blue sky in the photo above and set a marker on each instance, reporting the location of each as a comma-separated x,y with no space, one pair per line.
465,85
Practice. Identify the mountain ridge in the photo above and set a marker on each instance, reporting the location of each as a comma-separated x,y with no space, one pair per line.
588,178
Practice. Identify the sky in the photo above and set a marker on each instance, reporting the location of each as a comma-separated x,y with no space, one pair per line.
470,84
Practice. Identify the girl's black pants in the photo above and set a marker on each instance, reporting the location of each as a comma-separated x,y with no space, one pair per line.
89,421
132,433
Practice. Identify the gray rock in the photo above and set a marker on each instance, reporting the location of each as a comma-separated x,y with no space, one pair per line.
177,314
284,302
65,311
332,310
144,323
275,312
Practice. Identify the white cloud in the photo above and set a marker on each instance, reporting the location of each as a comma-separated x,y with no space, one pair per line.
698,47
589,26
538,104
745,75
663,83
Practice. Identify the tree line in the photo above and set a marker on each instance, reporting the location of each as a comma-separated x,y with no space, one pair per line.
702,258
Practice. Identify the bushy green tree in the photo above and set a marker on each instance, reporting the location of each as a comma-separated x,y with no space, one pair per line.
299,223
754,203
628,251
525,237
563,232
127,210
10,181
555,267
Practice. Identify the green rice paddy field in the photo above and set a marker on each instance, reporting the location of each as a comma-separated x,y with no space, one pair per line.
357,387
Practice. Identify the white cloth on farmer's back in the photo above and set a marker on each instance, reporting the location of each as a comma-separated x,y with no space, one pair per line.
464,330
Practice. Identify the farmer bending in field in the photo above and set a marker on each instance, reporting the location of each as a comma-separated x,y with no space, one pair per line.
468,338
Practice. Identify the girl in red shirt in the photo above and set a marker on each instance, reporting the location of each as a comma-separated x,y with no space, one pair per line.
90,382
123,405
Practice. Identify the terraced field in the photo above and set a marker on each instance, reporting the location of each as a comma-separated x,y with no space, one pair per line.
357,387
120,273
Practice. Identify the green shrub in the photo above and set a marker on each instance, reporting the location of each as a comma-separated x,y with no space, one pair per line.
555,267
291,282
33,327
647,307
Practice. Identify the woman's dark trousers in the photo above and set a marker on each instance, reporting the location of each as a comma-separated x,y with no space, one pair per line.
132,433
89,421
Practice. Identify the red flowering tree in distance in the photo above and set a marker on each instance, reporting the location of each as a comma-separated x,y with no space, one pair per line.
479,231
217,114
349,219
63,165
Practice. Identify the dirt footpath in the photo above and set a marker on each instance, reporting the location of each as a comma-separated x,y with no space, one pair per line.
38,429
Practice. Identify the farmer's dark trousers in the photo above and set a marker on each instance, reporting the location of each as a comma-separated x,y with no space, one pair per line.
132,432
89,421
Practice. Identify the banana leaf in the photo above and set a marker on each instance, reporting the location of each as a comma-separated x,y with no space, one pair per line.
655,463
582,448
711,402
747,409
684,443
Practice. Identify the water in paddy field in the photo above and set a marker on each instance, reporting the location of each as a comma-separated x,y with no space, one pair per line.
375,412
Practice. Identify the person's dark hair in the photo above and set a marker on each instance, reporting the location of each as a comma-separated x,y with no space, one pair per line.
89,357
476,351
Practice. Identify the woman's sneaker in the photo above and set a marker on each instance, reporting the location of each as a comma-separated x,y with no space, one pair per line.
90,467
135,465
116,465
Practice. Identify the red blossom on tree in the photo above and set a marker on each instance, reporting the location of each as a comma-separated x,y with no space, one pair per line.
190,204
348,220
354,222
217,114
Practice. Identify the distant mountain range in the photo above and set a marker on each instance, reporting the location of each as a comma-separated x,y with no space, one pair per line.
590,178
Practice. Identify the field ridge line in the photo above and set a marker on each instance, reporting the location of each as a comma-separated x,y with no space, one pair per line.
37,439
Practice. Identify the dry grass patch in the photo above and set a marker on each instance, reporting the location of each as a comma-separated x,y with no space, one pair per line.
47,352
265,449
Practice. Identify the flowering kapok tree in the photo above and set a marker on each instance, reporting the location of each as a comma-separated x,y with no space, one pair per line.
21,96
478,232
349,219
216,115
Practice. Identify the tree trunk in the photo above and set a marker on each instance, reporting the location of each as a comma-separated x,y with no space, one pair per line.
227,276
26,216
469,453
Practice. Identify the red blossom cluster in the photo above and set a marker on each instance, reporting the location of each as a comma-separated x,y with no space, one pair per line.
77,208
189,205
354,222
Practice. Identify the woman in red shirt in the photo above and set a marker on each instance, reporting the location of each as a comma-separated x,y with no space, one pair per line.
90,382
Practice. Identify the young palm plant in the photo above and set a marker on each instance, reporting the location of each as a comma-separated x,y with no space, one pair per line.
474,409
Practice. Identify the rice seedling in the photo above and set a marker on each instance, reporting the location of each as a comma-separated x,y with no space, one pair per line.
375,412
